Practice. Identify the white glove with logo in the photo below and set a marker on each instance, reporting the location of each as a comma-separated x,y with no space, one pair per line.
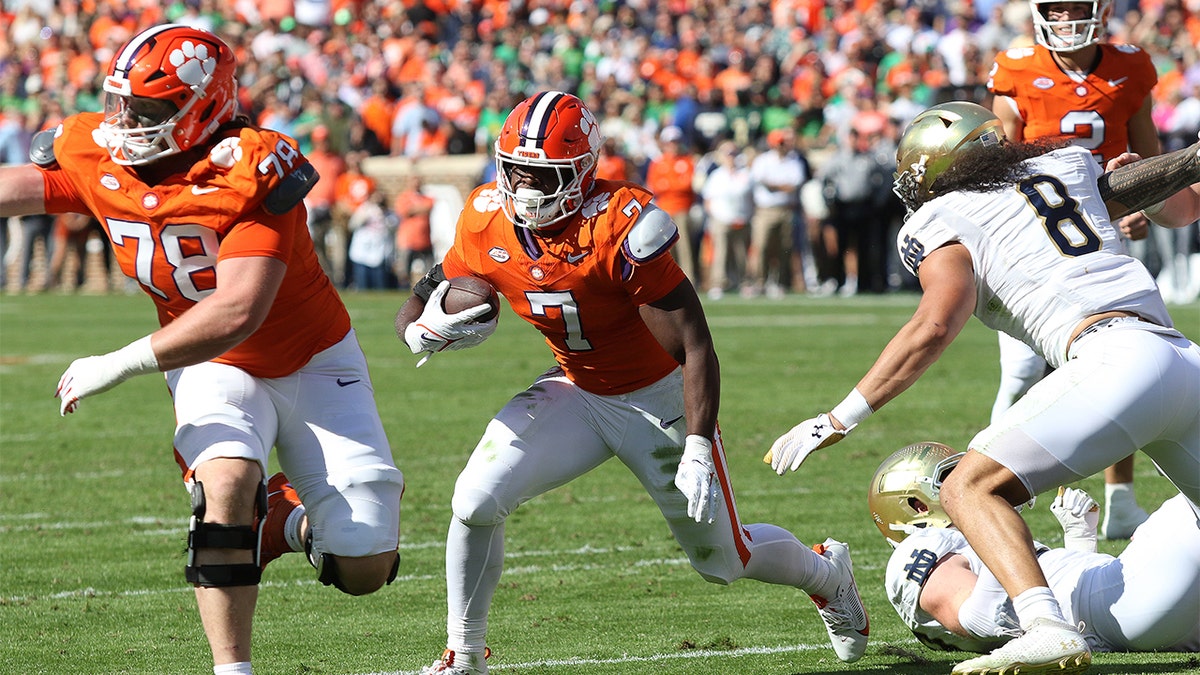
1078,514
436,331
96,374
696,478
791,449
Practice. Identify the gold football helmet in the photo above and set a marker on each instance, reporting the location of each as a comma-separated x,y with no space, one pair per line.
932,143
904,491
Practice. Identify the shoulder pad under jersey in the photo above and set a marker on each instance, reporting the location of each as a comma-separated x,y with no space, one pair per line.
651,236
291,190
41,148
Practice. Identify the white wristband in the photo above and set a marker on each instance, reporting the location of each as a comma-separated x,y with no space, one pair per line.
852,410
136,358
695,444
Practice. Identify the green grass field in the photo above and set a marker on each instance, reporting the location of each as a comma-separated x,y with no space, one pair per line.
93,514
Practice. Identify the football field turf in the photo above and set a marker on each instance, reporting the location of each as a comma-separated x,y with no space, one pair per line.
93,515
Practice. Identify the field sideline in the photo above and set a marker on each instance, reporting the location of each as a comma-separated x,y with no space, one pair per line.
93,516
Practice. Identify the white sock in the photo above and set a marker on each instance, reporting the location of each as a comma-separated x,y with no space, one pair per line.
291,528
777,557
1037,603
1119,495
239,668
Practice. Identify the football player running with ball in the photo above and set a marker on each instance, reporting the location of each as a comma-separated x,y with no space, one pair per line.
1071,84
1019,234
587,262
205,211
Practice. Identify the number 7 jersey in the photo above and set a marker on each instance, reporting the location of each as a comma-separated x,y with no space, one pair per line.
170,236
1044,252
581,287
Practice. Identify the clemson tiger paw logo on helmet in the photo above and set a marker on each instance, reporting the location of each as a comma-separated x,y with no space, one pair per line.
192,62
488,200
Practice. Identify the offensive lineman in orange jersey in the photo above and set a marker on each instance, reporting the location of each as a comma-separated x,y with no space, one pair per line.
205,212
1072,84
587,262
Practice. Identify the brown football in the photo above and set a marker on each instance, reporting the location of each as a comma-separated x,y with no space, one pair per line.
467,292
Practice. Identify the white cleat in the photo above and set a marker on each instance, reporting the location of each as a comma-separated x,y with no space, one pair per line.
453,663
1047,647
844,615
1120,522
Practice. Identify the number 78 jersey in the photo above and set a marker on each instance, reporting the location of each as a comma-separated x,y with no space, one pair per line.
169,236
1044,252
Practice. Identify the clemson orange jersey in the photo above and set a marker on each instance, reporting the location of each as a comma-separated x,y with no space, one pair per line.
1094,111
582,287
170,236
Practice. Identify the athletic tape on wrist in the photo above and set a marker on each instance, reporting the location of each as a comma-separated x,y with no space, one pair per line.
852,410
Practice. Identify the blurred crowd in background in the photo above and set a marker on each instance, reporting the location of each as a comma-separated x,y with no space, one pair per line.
685,89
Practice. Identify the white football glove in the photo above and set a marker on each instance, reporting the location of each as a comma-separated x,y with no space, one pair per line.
96,374
791,449
696,478
435,330
1078,514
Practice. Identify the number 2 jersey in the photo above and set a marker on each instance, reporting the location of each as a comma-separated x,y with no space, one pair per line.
581,287
1044,253
1094,111
170,236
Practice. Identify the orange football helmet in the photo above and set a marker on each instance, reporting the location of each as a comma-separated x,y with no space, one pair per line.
167,90
554,136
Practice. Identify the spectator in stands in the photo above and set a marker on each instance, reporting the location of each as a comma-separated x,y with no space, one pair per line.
372,228
414,242
319,201
669,177
777,175
728,206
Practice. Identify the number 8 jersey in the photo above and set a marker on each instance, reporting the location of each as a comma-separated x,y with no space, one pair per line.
170,236
1094,110
1044,252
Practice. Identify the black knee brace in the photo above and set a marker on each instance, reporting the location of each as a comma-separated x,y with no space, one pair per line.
326,566
213,535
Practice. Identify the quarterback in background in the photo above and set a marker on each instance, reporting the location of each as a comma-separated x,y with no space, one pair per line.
205,211
1145,599
1071,84
587,263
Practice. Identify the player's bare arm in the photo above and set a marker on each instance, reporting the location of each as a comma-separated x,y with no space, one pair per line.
948,281
245,292
949,584
22,191
678,323
1006,109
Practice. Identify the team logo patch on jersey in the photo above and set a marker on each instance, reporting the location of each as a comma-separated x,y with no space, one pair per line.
150,201
226,153
537,273
487,201
1081,90
922,564
595,205
1043,83
498,254
110,181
